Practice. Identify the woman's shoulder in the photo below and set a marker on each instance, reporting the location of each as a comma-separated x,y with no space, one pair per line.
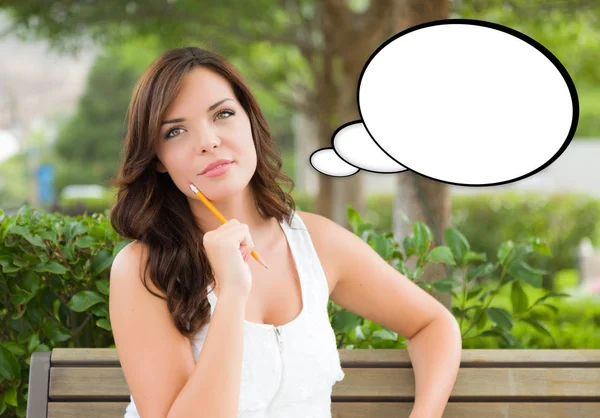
130,263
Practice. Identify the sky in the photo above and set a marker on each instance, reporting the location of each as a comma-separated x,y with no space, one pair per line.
8,145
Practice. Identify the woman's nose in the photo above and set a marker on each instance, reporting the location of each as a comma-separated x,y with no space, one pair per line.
207,141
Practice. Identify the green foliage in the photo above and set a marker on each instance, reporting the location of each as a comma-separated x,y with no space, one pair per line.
562,220
89,143
569,30
470,270
54,286
568,323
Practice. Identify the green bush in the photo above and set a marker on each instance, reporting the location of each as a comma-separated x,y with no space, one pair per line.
54,282
55,270
572,322
562,220
472,302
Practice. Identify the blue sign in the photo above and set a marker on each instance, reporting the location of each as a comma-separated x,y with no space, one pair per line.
45,176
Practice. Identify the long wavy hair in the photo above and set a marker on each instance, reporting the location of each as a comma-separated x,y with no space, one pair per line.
151,209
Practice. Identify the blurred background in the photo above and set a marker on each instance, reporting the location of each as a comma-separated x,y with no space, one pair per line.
68,68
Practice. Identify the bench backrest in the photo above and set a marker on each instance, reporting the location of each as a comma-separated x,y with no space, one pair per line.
378,383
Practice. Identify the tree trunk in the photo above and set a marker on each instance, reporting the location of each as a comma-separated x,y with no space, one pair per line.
336,89
349,39
420,198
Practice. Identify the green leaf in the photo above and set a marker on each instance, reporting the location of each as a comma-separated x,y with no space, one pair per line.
441,254
55,332
445,285
470,257
458,244
508,338
384,334
21,297
480,271
98,233
540,327
10,268
77,228
50,267
409,246
540,246
483,319
104,323
484,295
504,250
33,342
552,295
55,308
30,282
354,219
397,255
501,317
473,292
83,300
22,410
380,245
100,309
344,321
423,237
69,251
423,285
23,232
10,396
101,262
50,236
16,348
522,271
85,242
42,347
518,297
103,286
9,366
418,272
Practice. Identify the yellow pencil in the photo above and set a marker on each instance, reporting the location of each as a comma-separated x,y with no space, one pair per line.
221,218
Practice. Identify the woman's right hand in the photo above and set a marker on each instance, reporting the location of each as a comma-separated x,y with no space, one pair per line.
228,249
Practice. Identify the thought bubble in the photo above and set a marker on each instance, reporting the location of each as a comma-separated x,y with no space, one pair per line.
460,101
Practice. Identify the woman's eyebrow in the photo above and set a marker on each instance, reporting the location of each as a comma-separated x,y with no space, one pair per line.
177,120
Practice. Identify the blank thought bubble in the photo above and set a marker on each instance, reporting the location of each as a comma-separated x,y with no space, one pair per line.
461,101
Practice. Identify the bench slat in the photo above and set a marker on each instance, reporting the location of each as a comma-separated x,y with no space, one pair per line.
375,410
396,358
81,383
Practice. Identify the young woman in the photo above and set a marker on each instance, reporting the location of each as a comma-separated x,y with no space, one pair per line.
201,328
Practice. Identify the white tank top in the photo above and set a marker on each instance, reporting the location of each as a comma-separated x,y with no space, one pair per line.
289,370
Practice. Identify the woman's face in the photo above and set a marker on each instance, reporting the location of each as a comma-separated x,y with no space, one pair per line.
213,126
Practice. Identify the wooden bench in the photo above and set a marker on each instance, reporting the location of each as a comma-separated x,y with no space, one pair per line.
77,383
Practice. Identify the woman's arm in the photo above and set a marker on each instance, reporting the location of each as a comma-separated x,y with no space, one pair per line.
435,354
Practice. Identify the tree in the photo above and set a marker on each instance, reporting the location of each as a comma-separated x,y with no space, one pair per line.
316,32
322,47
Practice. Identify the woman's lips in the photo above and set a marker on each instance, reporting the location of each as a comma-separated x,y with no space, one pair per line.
218,170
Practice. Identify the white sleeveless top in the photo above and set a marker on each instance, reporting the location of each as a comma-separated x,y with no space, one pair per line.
289,370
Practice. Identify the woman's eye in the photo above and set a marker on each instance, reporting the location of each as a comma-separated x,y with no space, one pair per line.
222,112
231,112
168,134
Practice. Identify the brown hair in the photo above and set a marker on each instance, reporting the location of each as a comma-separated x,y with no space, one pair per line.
151,209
